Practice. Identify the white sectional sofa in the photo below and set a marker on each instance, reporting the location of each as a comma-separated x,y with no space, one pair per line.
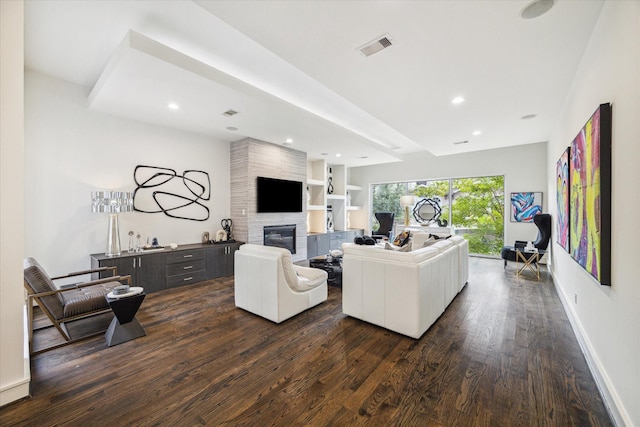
405,292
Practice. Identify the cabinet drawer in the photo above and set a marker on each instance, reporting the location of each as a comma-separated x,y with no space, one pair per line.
338,236
181,256
185,267
185,279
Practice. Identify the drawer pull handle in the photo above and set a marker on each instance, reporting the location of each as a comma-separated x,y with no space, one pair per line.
187,256
187,278
187,267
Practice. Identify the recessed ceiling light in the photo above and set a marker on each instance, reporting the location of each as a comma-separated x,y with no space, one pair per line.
338,155
457,100
477,132
529,116
289,141
173,106
536,8
232,128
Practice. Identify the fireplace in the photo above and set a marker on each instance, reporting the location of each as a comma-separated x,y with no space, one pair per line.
282,236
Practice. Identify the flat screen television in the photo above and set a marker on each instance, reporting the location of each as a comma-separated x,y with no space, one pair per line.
278,195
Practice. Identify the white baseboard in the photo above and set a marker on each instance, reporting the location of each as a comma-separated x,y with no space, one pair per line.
15,391
20,388
611,399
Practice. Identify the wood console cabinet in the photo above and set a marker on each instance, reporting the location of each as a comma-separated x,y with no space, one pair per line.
146,269
158,270
220,260
185,267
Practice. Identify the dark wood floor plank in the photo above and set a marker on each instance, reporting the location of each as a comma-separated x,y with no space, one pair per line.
503,353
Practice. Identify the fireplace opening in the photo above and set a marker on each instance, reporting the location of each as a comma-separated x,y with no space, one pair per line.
282,236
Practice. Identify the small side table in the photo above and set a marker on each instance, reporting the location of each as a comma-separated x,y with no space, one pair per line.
530,260
333,269
124,326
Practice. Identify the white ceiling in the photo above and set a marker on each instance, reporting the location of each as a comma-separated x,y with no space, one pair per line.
292,69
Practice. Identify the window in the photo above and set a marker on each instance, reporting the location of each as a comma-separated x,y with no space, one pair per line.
472,207
386,198
478,212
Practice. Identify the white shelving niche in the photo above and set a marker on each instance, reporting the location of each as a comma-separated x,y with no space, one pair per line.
319,199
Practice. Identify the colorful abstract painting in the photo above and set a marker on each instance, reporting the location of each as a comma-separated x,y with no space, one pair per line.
563,191
524,206
590,196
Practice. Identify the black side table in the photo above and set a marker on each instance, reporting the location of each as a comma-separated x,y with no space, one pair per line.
124,326
333,269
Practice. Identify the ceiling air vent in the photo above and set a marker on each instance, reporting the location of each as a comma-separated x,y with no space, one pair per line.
377,45
229,113
460,142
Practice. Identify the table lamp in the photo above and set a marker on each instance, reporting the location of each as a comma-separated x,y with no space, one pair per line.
407,202
112,202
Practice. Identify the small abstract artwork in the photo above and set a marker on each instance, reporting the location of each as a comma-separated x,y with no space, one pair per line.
590,196
525,205
562,198
162,190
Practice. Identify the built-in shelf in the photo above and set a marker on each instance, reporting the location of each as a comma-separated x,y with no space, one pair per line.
320,203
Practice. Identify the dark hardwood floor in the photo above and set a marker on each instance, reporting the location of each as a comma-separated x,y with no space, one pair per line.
503,354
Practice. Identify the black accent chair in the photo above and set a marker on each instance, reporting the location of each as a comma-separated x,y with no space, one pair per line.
543,222
385,221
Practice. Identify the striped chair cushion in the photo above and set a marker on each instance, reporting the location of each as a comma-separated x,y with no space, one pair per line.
38,280
86,300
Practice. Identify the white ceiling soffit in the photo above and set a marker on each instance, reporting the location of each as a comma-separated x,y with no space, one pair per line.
143,76
505,67
305,54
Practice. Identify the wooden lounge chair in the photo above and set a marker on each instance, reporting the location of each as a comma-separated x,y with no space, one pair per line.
67,303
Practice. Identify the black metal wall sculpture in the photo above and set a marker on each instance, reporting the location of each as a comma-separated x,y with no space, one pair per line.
179,196
428,211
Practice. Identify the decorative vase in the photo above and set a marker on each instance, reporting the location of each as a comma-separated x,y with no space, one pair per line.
330,221
330,180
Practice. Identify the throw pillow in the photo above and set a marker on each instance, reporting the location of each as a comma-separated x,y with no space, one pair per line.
392,247
402,239
439,236
430,241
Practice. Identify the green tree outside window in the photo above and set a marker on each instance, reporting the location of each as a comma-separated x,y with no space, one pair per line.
474,207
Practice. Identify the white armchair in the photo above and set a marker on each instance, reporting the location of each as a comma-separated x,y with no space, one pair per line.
268,284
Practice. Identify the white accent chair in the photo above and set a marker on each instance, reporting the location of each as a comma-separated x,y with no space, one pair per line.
268,284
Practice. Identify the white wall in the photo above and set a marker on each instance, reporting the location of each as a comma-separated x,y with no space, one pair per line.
72,150
14,366
524,168
608,319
